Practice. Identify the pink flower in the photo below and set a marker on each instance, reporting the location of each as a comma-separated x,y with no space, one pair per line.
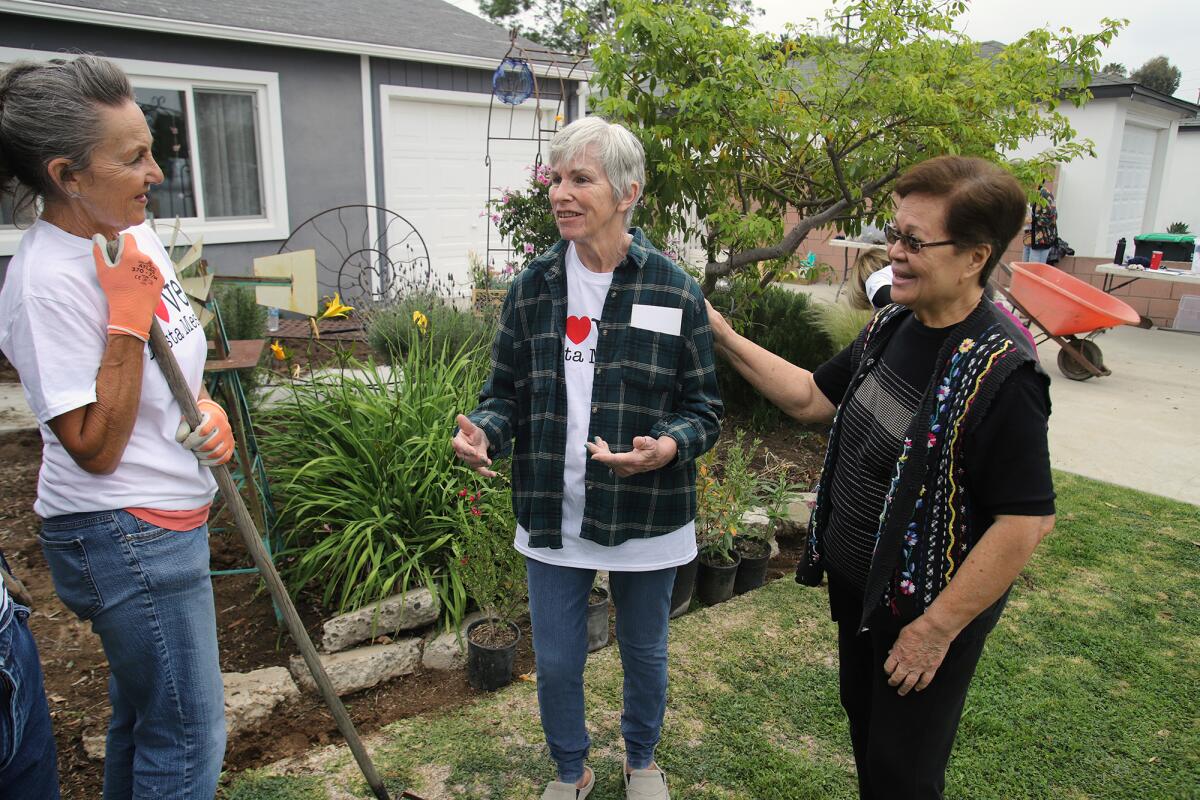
496,218
475,510
528,247
907,587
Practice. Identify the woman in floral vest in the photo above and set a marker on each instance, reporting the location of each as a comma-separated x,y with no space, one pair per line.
936,486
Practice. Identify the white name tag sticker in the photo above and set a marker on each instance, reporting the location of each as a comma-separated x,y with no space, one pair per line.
662,319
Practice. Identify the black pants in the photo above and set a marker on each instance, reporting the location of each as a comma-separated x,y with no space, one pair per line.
901,744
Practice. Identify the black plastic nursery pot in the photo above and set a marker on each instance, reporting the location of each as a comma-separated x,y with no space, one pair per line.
685,586
597,618
714,582
752,569
489,668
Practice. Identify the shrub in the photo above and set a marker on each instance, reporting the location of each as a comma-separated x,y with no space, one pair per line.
727,486
776,319
524,219
840,323
430,319
243,318
362,457
492,571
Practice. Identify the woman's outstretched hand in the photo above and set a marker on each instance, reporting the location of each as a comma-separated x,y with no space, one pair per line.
471,446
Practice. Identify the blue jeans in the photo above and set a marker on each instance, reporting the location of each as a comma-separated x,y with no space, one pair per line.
28,758
1035,254
148,595
558,598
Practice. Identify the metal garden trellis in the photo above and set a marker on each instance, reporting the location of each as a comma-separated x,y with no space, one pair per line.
515,81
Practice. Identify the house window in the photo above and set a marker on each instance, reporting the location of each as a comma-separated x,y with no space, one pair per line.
218,141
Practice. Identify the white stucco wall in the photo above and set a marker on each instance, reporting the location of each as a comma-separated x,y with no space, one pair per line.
1084,188
1181,185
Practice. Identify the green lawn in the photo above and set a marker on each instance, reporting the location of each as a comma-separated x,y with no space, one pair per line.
1089,687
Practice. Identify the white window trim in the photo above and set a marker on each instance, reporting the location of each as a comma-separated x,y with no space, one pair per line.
275,224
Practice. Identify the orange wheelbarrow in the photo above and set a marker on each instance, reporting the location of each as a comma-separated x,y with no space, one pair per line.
1063,306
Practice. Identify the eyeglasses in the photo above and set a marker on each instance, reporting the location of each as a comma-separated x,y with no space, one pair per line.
911,243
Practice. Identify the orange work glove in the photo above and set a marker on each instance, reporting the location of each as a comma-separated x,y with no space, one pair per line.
212,442
132,284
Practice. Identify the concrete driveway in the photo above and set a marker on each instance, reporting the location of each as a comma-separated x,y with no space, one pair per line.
1140,426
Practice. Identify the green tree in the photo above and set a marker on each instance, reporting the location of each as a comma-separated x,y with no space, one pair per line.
743,130
563,24
1158,74
1115,68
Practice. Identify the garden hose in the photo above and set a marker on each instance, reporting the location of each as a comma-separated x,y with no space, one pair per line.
262,560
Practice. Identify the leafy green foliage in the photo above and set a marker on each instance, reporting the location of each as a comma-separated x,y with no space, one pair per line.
393,331
1158,74
524,219
1178,227
560,25
777,319
492,571
740,129
839,322
362,459
243,318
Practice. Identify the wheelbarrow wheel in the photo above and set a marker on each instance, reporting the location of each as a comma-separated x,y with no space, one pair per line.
1073,369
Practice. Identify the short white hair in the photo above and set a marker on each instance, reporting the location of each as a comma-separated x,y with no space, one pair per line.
619,152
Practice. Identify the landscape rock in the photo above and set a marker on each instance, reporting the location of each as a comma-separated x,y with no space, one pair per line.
798,512
250,697
447,651
400,612
362,667
93,746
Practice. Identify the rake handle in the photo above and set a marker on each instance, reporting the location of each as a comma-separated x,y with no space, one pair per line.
266,568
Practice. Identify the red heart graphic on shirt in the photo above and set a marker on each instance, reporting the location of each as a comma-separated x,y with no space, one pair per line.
161,312
578,328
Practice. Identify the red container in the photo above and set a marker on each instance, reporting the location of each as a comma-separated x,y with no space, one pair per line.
1063,304
1155,259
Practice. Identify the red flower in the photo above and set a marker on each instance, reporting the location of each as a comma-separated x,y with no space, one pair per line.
462,492
476,511
463,561
474,497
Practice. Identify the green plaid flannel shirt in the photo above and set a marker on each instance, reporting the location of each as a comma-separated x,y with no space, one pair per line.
645,383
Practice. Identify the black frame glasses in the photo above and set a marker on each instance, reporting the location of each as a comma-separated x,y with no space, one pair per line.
911,243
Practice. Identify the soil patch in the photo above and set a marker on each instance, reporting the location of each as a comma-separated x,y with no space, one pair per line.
77,672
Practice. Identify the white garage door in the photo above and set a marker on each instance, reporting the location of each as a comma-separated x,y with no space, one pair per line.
1132,189
435,173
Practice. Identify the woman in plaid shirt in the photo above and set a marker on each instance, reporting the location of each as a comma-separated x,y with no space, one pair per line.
603,389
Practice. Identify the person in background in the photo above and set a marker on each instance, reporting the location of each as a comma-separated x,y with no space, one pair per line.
603,374
124,506
1042,232
936,486
870,280
28,756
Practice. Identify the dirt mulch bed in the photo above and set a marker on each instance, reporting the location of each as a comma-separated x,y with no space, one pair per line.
77,673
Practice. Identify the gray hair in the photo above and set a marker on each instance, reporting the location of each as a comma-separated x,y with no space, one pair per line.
619,152
49,110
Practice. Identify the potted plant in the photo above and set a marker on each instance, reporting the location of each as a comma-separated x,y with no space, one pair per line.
493,575
720,503
772,489
684,587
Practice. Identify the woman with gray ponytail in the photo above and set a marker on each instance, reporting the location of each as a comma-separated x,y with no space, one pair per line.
124,506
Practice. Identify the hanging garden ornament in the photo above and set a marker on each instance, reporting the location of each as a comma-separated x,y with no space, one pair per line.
512,82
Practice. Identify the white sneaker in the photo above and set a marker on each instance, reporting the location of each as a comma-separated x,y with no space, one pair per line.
646,784
557,790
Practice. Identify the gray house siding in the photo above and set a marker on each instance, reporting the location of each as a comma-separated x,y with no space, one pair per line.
320,100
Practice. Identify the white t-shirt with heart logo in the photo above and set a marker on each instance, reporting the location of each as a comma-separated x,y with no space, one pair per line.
53,317
586,291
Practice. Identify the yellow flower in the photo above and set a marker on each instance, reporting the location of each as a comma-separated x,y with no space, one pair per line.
421,321
278,351
334,308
